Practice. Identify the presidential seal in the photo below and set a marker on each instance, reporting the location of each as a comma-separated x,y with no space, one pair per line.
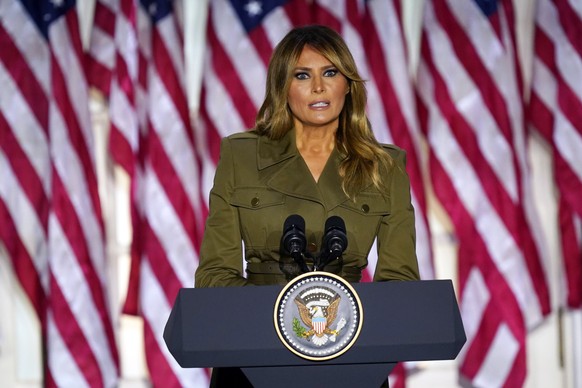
318,316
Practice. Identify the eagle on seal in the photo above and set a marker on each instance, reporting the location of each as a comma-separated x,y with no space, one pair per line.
318,308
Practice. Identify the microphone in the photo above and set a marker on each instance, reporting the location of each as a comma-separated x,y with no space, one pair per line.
294,241
335,241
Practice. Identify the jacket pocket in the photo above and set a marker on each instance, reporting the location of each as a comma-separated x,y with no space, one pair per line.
256,198
369,204
261,212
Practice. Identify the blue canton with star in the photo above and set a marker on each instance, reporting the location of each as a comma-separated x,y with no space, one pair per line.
157,9
252,12
488,7
47,11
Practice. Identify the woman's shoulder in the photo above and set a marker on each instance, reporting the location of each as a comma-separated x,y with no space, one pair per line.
251,134
396,153
240,142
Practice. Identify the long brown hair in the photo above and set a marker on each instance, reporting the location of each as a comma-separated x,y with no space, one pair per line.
354,137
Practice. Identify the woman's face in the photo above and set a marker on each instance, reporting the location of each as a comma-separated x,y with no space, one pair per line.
317,92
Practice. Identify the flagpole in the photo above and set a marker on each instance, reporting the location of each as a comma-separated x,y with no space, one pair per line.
576,335
195,15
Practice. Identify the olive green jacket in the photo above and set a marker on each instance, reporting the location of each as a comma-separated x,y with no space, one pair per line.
260,182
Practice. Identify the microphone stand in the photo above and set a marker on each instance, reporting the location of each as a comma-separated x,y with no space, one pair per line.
300,260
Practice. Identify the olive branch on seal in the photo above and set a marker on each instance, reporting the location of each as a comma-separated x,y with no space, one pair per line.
299,330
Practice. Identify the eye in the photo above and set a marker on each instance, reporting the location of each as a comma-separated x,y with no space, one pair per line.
301,75
330,73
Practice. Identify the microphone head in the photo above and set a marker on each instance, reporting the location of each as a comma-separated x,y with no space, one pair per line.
335,222
335,240
293,239
294,221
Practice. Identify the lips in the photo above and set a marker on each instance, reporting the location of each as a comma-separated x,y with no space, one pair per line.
319,104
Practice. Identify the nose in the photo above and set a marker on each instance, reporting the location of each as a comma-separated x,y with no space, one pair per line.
317,84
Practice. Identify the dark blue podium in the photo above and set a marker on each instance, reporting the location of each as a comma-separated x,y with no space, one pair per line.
402,321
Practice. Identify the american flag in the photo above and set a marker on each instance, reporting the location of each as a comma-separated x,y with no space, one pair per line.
556,112
152,139
50,215
470,87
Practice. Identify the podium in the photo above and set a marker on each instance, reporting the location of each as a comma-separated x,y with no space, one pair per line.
233,327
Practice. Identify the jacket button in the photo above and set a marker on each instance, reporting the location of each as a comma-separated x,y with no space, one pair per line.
255,202
365,208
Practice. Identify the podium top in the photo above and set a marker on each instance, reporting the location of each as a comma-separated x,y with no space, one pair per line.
402,321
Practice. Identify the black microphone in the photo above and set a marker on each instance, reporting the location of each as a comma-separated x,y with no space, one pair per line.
335,241
294,241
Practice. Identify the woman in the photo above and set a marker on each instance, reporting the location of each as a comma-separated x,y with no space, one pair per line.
312,152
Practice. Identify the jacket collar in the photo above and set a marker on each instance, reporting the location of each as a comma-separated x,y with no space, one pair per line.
294,178
330,182
271,152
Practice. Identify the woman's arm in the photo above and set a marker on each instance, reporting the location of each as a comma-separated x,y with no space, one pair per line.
397,236
221,257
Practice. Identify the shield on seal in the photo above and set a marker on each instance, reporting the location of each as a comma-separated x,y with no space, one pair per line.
319,324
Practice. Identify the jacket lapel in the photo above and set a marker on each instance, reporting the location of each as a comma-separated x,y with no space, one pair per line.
293,177
330,184
271,152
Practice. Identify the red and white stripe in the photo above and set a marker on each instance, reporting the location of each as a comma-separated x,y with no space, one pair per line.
112,67
51,223
171,211
469,83
100,58
151,138
556,112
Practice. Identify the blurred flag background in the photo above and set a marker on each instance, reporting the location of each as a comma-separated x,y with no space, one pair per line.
101,216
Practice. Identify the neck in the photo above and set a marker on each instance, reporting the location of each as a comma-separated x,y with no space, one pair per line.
315,146
315,140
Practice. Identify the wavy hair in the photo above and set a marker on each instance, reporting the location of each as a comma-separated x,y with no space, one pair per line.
363,155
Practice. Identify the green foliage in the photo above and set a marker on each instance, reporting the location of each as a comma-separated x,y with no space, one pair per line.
299,330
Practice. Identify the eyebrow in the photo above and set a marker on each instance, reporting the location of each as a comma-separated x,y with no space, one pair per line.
310,68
